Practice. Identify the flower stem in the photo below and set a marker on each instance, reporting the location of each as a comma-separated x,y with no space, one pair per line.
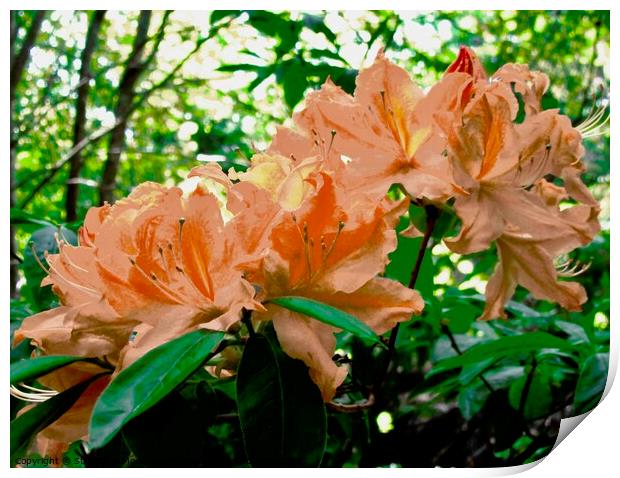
432,214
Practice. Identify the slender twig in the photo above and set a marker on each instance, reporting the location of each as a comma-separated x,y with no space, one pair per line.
352,407
432,214
446,330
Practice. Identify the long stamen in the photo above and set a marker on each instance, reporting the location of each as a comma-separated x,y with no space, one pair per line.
36,257
42,391
333,244
307,249
36,395
67,259
333,133
61,234
572,268
152,278
595,122
74,284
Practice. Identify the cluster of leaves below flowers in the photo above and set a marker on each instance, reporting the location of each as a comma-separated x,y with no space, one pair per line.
311,218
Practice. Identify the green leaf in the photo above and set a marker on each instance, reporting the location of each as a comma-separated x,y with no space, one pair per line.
538,400
501,347
281,411
19,217
218,15
471,399
240,67
591,382
328,315
172,432
316,23
576,332
460,316
294,82
147,381
36,367
24,427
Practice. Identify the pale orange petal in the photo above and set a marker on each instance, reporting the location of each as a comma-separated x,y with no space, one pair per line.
527,263
312,342
380,303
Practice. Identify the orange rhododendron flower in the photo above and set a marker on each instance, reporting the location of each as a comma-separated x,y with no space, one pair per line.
149,268
386,130
500,165
331,249
156,260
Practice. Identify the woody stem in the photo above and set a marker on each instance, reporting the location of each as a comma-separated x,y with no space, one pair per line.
432,214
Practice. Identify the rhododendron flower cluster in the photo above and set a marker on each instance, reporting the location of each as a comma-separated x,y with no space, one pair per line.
312,217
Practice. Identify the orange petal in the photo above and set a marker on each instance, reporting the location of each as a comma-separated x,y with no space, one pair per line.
481,223
467,62
526,263
312,342
531,85
73,424
381,303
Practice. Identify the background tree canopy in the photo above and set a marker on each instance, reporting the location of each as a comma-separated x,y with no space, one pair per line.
102,101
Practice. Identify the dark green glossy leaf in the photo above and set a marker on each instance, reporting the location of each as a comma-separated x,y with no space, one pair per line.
294,82
328,315
576,332
316,23
538,400
36,367
147,381
218,15
591,382
174,432
281,411
501,347
472,398
24,427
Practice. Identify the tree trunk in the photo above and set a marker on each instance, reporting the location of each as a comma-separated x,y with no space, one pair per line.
79,127
126,91
18,65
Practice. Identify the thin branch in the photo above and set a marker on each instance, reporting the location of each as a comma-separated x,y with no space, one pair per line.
432,214
18,64
134,68
352,407
586,89
79,126
57,166
446,330
159,36
143,96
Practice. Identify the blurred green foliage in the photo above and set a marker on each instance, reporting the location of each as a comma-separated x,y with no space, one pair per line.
224,100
